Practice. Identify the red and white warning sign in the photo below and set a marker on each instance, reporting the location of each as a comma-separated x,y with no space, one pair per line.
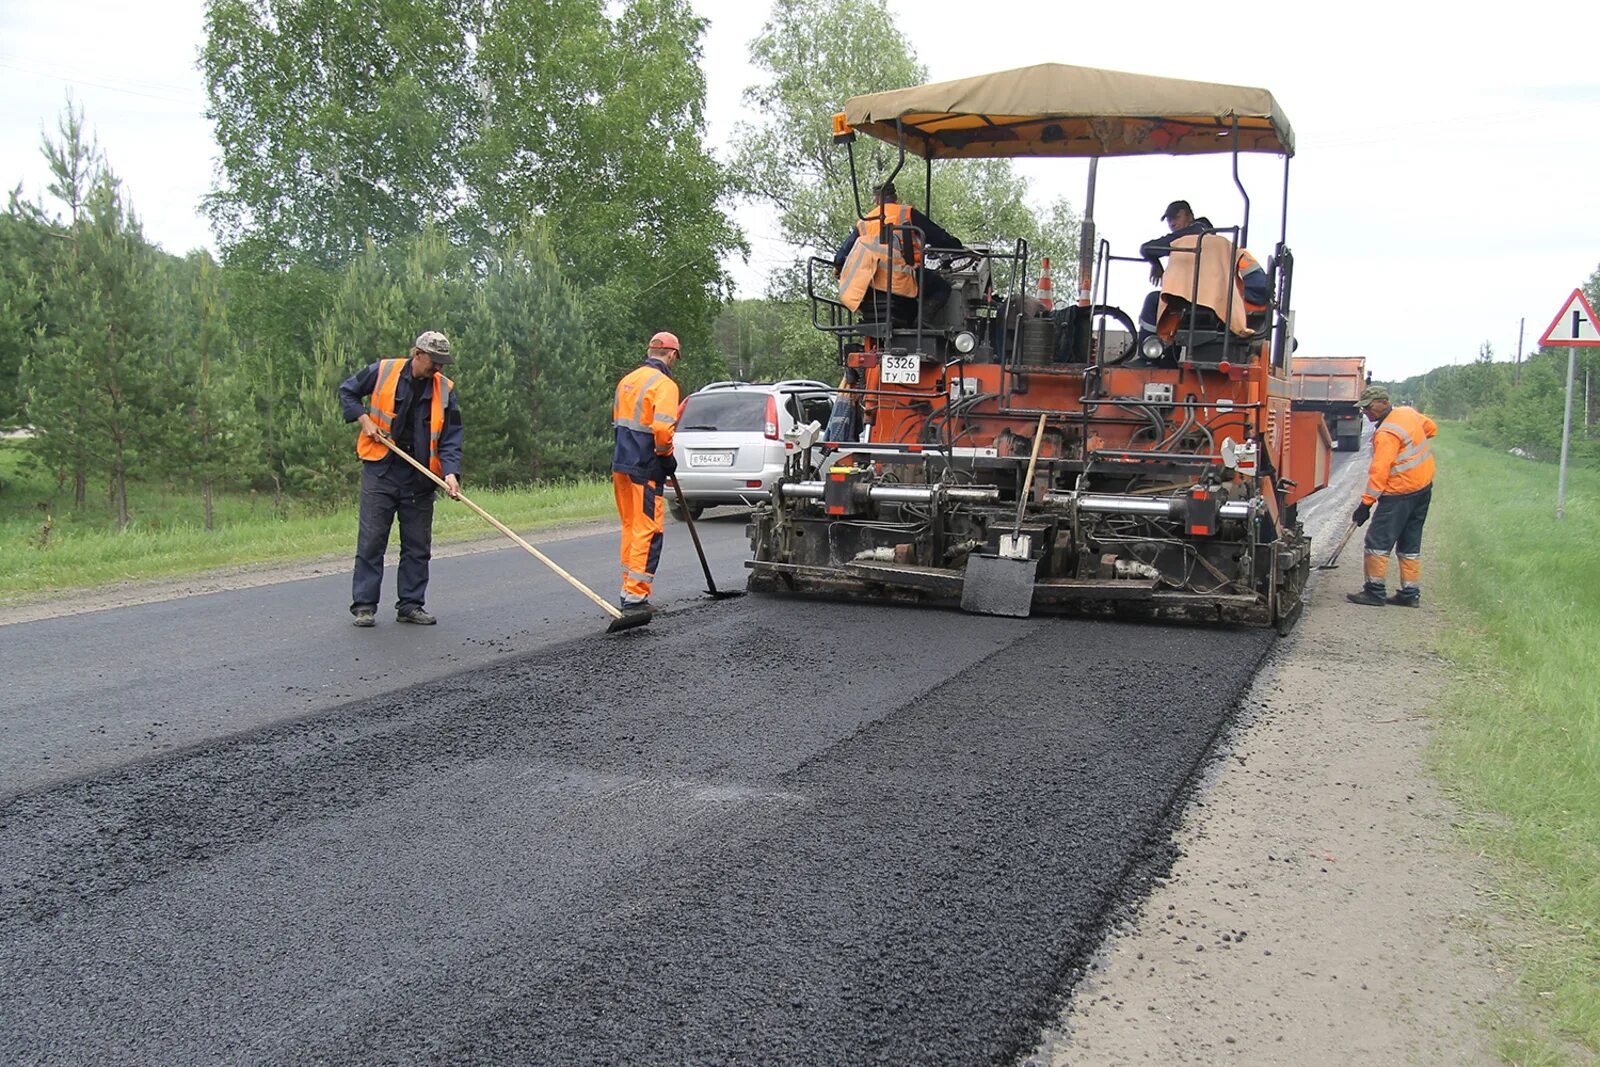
1575,324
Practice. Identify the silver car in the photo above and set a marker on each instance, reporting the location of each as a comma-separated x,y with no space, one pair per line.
731,443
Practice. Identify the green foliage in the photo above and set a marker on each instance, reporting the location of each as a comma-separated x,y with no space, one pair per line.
1514,407
770,340
52,545
337,129
533,398
27,244
1521,731
336,126
819,53
101,385
816,55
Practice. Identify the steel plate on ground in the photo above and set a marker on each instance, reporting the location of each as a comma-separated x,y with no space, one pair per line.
997,586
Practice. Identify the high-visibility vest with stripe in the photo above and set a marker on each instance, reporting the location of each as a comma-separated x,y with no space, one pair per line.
1402,457
380,405
645,414
1247,265
874,264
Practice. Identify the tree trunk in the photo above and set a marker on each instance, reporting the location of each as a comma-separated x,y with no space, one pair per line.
205,486
120,486
80,488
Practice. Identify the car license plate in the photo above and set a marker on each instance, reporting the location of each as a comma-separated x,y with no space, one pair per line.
901,369
710,459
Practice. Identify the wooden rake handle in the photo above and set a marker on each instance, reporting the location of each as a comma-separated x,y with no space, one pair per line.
606,605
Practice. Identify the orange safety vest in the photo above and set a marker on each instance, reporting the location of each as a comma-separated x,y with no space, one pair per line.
1246,264
1402,458
645,416
873,264
380,405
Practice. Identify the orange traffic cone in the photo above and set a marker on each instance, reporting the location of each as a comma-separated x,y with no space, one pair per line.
1045,296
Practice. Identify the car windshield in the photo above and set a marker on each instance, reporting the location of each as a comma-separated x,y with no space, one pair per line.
729,412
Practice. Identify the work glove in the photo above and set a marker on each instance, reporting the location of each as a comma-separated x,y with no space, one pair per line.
1362,514
669,466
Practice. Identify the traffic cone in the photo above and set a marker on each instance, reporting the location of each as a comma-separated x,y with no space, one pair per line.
1045,296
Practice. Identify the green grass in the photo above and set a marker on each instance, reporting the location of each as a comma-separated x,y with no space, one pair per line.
167,537
1520,595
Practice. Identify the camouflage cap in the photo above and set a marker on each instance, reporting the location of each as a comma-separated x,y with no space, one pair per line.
435,344
1371,394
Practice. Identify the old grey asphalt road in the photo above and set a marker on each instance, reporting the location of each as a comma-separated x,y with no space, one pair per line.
87,692
753,831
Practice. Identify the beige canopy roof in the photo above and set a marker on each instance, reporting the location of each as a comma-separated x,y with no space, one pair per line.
1057,110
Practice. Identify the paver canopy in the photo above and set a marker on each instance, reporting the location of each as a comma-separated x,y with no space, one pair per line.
1057,110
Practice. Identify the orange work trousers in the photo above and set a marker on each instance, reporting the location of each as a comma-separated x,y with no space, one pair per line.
643,515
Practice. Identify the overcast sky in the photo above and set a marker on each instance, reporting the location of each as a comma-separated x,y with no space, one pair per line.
1443,185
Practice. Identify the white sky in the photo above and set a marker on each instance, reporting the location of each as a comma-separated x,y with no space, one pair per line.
1443,187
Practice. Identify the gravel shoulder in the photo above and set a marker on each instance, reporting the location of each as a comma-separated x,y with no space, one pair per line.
1318,911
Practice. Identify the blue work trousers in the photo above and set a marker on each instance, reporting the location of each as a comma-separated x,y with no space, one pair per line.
389,490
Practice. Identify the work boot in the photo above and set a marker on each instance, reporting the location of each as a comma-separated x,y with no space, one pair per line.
1367,597
634,607
366,615
1401,600
416,616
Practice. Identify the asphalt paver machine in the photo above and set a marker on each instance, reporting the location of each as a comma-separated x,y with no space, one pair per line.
1008,456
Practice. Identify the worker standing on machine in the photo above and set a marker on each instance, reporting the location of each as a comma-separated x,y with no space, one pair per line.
1400,484
645,414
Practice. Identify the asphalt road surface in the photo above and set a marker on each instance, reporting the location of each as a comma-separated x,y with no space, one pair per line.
755,830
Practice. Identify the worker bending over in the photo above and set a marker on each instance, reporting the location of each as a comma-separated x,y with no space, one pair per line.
645,414
1400,484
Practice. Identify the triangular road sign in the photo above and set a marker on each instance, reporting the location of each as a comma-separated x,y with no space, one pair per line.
1575,325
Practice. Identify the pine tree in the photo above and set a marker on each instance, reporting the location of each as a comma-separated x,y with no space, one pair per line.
97,392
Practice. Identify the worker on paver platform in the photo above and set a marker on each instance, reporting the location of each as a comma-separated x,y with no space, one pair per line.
645,414
412,402
1400,484
1181,222
865,261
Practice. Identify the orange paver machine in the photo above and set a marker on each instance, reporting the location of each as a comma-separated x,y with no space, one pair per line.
1013,457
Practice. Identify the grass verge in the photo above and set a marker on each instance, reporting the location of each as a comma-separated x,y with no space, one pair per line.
1520,594
167,538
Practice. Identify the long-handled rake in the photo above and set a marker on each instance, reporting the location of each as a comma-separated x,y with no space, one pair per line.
620,620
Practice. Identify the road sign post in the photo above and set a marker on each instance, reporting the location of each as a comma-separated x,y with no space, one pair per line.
1574,327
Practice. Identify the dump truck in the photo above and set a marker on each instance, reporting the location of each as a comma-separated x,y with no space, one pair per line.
1331,386
1007,456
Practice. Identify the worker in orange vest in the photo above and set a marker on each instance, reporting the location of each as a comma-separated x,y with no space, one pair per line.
411,402
871,260
1400,485
645,416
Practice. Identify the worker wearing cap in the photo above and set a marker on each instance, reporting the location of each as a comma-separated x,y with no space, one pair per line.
645,416
410,401
1181,222
1400,484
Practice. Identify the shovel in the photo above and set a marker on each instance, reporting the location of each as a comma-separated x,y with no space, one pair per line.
619,620
688,517
1002,584
1333,560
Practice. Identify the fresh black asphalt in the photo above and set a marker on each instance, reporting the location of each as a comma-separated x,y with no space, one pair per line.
756,831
